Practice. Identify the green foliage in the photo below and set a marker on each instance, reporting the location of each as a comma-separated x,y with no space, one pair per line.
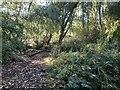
74,63
9,52
93,68
113,9
55,51
12,34
72,45
112,30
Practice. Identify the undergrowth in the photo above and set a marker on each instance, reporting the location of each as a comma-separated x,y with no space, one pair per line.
93,68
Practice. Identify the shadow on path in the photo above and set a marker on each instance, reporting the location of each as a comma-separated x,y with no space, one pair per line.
27,74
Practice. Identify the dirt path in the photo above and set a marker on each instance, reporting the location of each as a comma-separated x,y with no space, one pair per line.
27,74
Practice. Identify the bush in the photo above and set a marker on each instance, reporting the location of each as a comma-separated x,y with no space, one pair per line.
72,45
91,69
13,38
10,53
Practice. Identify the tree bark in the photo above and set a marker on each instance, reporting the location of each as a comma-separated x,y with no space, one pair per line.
49,39
65,21
100,22
119,39
83,15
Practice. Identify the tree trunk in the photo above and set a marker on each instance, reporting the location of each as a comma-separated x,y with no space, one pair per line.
49,39
83,15
61,35
65,21
88,20
119,39
100,22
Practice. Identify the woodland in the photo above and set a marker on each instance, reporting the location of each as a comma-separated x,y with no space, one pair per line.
60,45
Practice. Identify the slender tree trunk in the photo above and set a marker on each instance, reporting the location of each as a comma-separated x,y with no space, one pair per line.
83,15
49,39
99,11
61,34
100,22
119,39
87,20
65,21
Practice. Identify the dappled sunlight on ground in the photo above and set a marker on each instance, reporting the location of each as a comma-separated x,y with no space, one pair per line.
37,62
48,61
29,73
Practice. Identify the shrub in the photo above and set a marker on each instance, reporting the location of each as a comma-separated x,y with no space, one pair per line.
10,53
72,45
85,70
13,37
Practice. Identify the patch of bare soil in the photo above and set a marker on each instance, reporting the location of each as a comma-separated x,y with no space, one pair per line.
27,74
